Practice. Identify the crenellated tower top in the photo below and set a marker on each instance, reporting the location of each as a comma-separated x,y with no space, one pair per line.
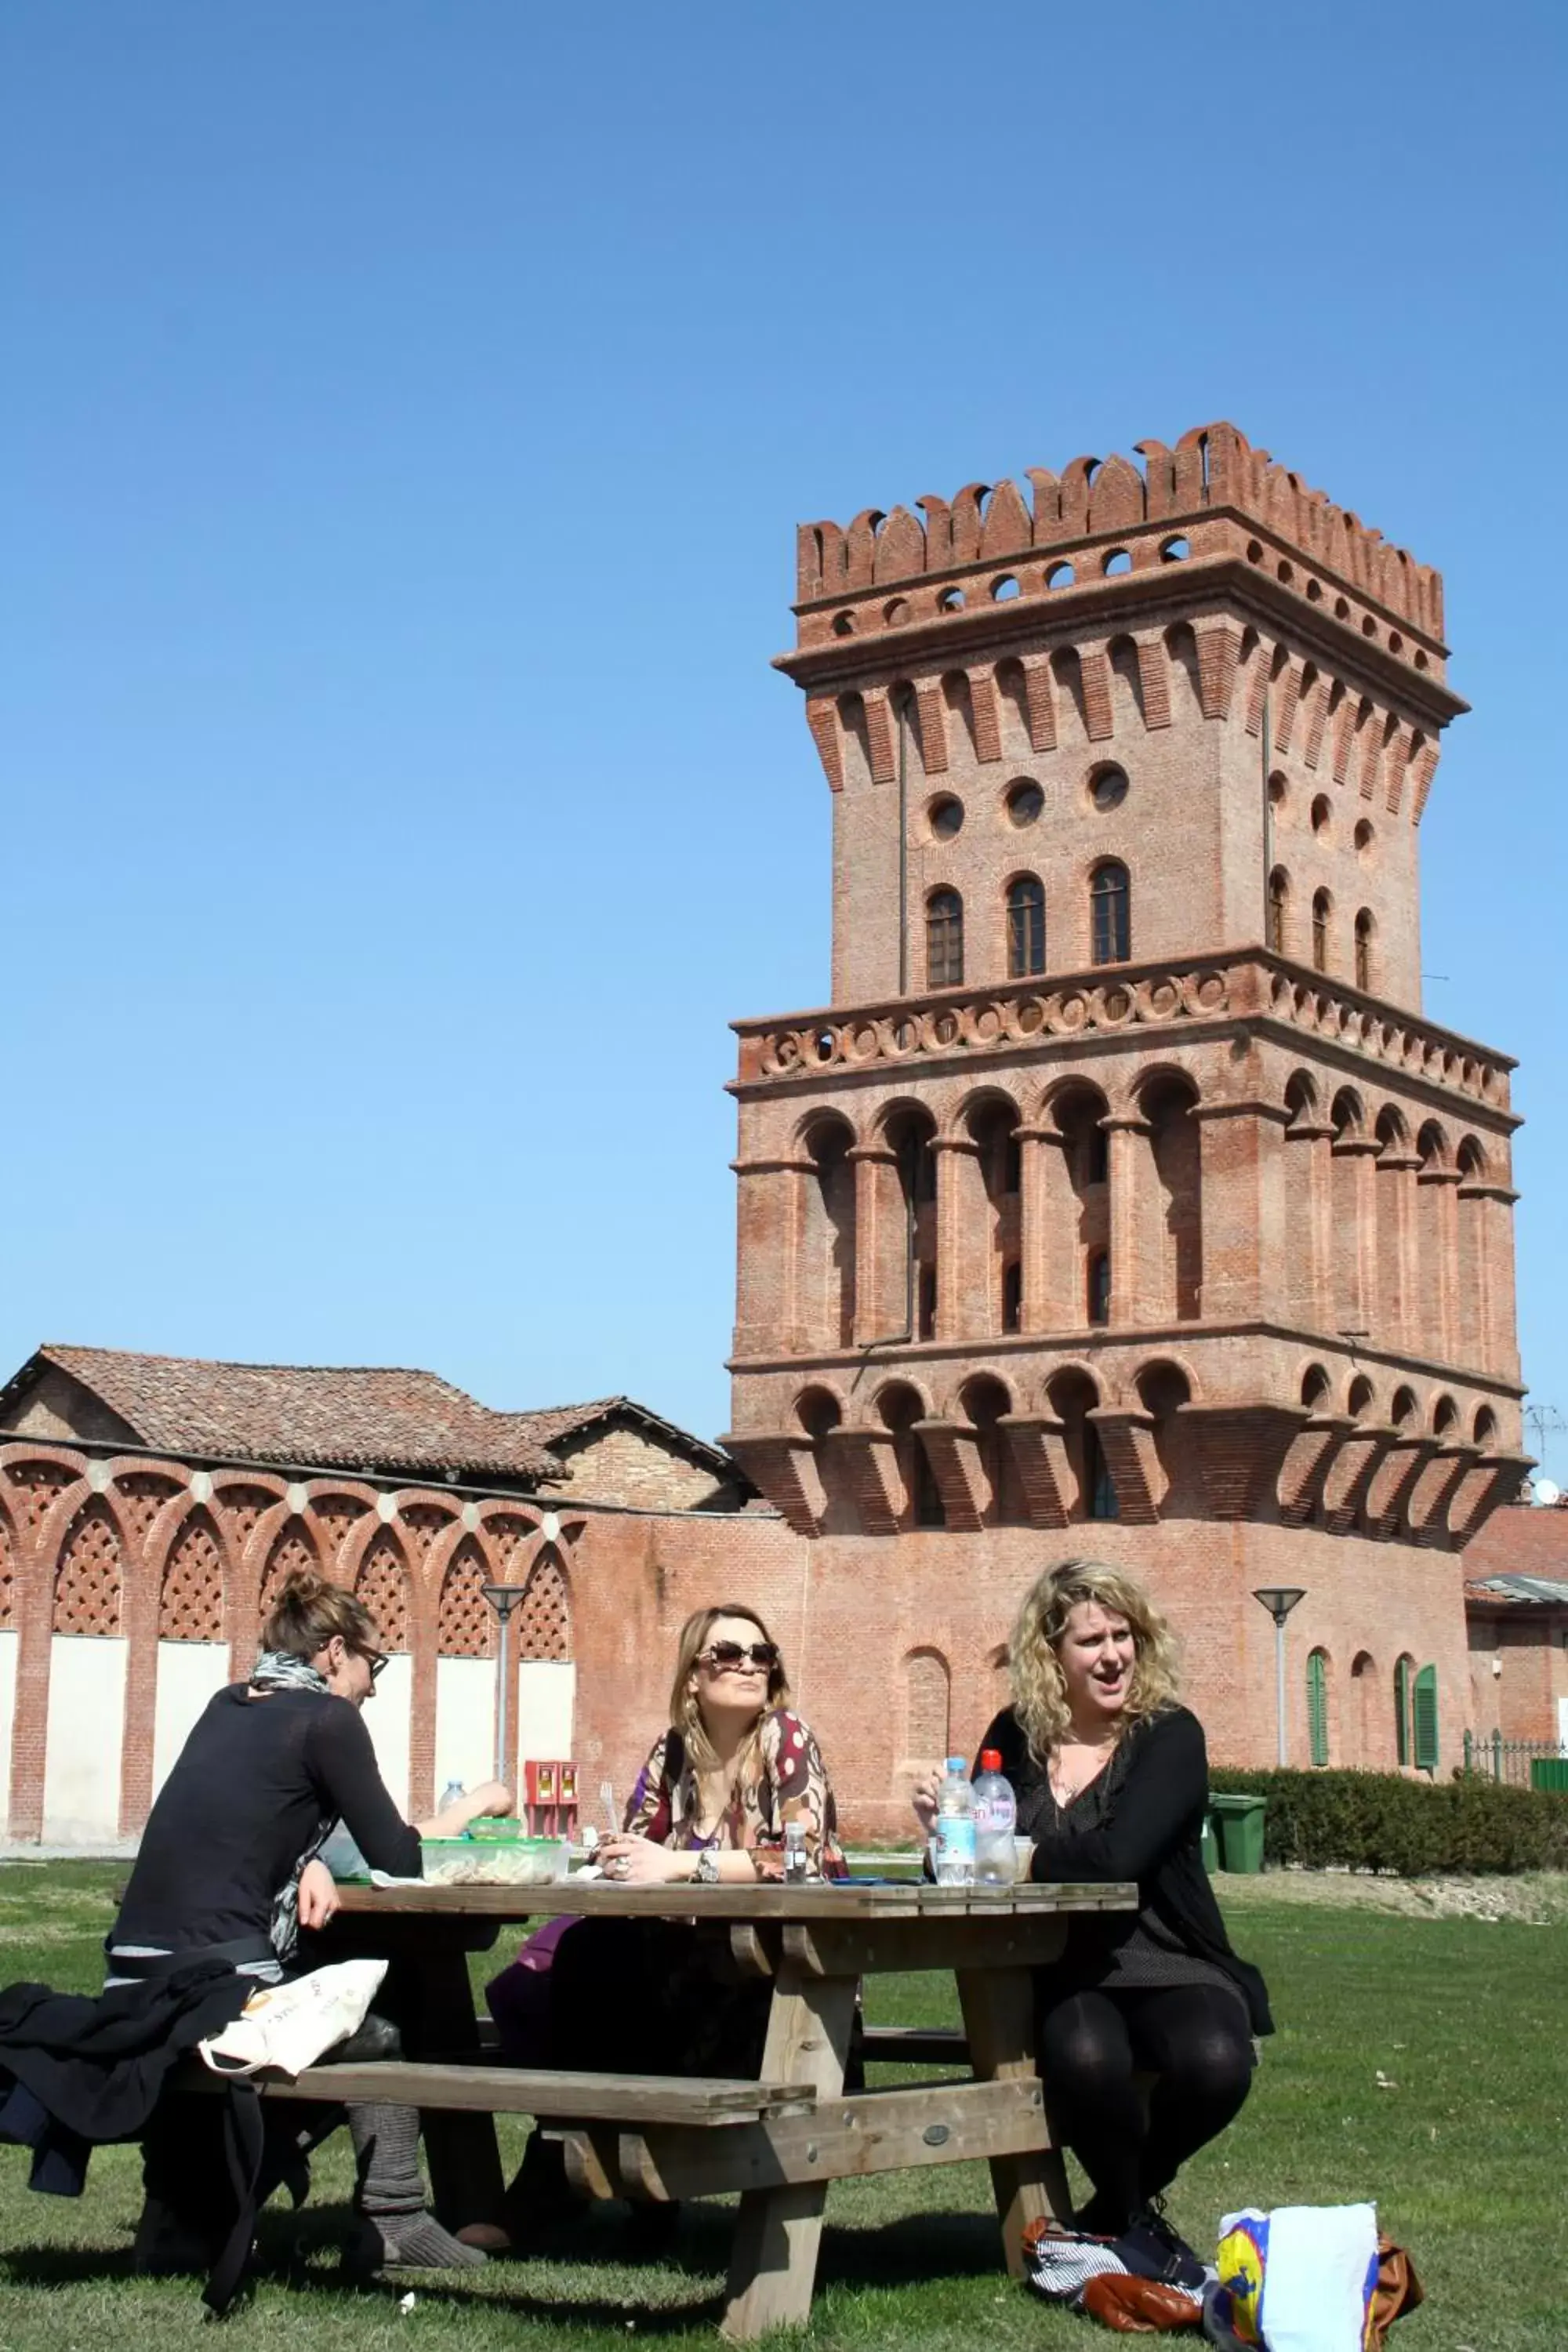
1211,500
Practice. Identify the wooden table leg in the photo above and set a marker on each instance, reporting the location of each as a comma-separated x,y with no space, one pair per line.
773,2259
998,2007
467,2183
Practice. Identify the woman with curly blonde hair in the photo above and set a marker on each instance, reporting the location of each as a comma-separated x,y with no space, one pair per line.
1110,1774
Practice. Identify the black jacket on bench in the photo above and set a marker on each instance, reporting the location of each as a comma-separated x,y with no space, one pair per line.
1150,1829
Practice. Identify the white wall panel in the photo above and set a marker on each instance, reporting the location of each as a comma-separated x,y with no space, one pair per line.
188,1673
545,1697
464,1721
8,1717
387,1719
86,1724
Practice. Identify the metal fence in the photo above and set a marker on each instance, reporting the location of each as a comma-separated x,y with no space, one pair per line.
1497,1758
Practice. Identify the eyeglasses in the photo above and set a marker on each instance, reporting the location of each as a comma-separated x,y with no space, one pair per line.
730,1657
377,1661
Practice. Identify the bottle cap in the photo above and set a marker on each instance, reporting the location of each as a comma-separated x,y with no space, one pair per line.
991,1759
956,1764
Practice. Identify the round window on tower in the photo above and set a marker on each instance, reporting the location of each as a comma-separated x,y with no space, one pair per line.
1108,789
945,817
1026,802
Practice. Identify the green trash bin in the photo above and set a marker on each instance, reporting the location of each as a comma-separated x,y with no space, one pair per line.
1210,1846
1549,1772
1239,1820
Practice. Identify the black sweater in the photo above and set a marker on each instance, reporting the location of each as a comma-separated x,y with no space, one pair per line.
1150,1829
254,1784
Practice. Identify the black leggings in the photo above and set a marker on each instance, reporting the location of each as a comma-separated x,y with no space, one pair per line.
1193,2039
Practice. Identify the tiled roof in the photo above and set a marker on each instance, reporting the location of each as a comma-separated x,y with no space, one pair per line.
341,1416
555,1422
1521,1546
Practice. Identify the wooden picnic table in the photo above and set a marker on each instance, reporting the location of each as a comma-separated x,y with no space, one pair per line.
814,1943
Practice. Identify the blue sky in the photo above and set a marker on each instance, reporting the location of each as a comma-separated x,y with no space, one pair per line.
407,411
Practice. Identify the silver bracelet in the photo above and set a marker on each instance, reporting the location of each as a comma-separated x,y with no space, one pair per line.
707,1871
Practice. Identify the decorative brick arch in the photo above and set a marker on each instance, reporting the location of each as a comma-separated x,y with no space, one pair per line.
382,1585
338,1516
292,1547
543,1621
191,1594
466,1623
89,1583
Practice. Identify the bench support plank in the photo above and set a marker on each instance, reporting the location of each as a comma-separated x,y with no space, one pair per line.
880,2131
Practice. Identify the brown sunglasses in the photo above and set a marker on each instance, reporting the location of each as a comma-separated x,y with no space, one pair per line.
727,1657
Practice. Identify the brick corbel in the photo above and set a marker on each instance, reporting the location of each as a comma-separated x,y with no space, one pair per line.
1495,1479
1040,1457
1127,1440
931,714
780,1463
1345,1488
861,1466
987,722
1306,1464
1241,1449
1039,707
952,1449
1393,1483
1155,678
1434,1492
822,717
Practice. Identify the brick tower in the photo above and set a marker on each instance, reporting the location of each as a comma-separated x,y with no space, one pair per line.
1122,1179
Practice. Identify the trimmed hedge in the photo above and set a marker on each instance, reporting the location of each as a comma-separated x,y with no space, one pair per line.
1381,1821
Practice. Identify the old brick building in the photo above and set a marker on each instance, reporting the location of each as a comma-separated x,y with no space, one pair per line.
1122,1199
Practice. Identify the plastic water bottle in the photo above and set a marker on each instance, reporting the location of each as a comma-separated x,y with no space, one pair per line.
796,1868
450,1794
996,1818
956,1827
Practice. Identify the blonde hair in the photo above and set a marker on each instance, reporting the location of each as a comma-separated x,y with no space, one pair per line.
309,1610
1039,1688
686,1714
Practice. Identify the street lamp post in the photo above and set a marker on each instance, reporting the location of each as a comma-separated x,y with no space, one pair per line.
1279,1599
503,1599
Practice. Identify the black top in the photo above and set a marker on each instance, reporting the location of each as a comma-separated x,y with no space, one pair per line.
255,1783
1146,1825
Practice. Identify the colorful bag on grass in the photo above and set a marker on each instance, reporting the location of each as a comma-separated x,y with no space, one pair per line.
1305,2278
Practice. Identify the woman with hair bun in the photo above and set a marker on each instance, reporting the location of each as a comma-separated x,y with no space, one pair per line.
227,1869
1110,1774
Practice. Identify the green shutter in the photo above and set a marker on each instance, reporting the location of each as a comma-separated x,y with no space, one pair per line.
1401,1711
1425,1713
1317,1706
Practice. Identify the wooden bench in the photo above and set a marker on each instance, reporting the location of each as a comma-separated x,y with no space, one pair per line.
585,2098
917,2046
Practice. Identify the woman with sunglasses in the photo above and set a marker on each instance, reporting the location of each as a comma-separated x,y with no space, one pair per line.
228,1868
734,1770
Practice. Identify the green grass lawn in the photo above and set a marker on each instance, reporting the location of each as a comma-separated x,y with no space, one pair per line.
1461,2143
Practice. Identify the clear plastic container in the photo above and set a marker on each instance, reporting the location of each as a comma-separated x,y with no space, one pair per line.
493,1861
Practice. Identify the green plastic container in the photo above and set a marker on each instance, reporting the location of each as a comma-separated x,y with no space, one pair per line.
1238,1821
1549,1772
1210,1846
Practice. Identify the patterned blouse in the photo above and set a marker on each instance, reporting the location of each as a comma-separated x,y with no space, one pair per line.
792,1786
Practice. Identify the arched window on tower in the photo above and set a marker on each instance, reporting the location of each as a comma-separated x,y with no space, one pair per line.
1100,1286
1322,906
944,939
1025,926
1364,950
1110,911
1278,894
